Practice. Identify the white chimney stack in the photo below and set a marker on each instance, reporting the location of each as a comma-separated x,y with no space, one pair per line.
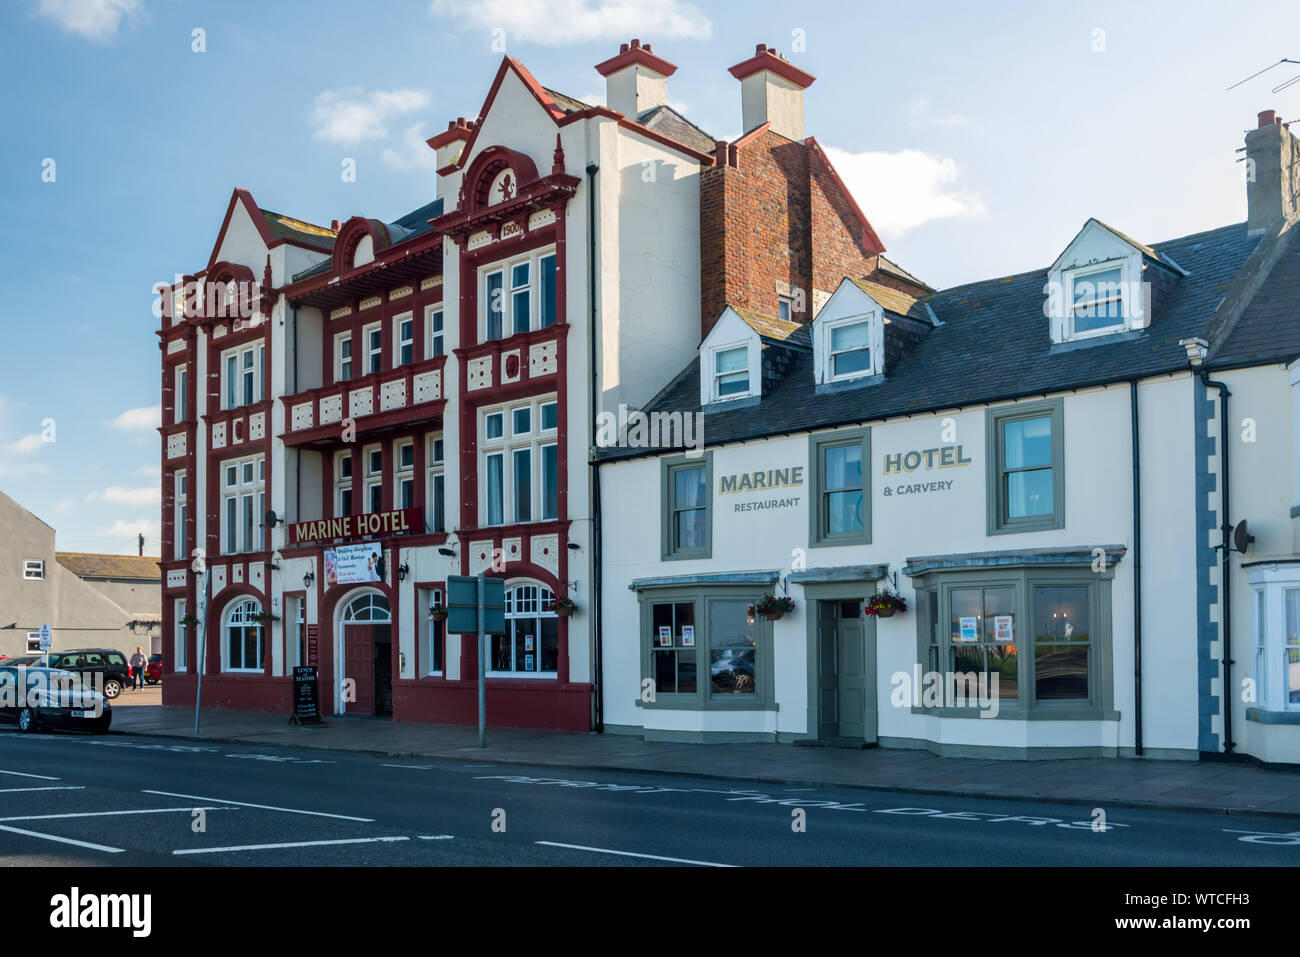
1272,174
636,80
771,91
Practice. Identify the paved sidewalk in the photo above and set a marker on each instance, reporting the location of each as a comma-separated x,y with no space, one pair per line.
1102,782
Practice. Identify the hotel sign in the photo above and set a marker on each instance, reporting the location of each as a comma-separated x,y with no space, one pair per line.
913,460
399,521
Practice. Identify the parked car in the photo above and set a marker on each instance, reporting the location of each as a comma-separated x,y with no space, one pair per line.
153,670
101,667
38,697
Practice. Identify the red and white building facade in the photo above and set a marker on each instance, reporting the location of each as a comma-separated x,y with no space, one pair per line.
435,380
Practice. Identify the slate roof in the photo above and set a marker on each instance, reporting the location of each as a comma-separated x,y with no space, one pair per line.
1269,328
92,565
894,301
994,344
668,122
286,227
889,266
569,104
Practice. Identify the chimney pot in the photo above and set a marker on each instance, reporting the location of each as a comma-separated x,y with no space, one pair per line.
622,48
334,225
648,49
1267,118
760,48
636,44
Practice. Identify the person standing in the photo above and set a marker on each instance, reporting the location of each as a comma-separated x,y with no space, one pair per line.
138,662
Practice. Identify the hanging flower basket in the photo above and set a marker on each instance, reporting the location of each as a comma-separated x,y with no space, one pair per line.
883,604
438,613
188,621
772,608
265,617
563,607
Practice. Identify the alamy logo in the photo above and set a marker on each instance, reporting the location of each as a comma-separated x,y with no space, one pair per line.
74,909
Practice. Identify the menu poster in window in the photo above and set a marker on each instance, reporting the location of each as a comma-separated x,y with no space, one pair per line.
528,662
528,642
665,637
1003,630
688,636
969,631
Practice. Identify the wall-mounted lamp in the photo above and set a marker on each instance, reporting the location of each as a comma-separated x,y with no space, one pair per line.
402,571
401,656
574,545
449,552
307,579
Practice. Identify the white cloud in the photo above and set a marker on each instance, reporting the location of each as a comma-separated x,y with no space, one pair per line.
920,114
27,468
64,505
145,417
129,528
151,470
563,22
26,445
351,116
96,20
901,191
411,153
121,495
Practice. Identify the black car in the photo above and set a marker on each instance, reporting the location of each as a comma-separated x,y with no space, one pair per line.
35,697
103,668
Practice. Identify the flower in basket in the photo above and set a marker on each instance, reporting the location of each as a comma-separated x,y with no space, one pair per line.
438,612
188,621
563,607
883,604
772,607
265,617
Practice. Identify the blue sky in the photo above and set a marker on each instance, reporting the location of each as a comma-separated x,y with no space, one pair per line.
977,138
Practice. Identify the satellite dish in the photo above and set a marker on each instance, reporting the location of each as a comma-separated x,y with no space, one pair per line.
271,519
1241,538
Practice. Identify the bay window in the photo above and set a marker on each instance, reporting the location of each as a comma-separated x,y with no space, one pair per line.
1034,634
703,650
1275,622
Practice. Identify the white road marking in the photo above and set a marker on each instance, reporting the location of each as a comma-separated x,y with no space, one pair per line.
152,810
57,787
436,837
653,857
273,847
264,807
41,777
62,840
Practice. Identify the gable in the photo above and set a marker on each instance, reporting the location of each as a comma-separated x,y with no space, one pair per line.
240,240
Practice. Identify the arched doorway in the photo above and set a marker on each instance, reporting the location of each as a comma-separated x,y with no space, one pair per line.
367,654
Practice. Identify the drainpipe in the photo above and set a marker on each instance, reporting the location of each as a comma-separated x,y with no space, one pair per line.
598,670
297,453
1225,560
1137,573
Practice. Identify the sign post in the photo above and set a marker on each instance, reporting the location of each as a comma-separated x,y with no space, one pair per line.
476,606
203,643
45,643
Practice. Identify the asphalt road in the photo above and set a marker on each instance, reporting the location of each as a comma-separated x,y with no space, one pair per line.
71,799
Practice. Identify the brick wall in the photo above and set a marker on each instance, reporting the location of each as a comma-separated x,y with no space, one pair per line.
775,217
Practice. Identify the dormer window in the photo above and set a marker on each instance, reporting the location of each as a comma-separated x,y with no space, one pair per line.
850,349
1096,299
731,372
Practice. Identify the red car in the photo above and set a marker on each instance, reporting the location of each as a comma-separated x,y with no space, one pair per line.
153,670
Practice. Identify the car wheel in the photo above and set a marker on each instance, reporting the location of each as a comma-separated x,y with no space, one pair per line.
26,720
112,688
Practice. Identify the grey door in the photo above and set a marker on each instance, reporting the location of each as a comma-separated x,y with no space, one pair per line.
841,673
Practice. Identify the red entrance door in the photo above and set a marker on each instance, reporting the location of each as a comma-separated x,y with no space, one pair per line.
359,666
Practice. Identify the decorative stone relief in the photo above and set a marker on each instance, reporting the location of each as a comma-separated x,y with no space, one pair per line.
331,409
400,292
478,373
301,416
546,552
392,395
218,578
175,445
514,549
360,402
480,557
340,312
218,331
176,578
430,282
219,435
370,303
542,359
257,426
510,366
428,386
236,574
544,218
479,239
176,345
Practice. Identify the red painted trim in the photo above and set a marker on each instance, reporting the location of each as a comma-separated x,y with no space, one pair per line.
269,239
456,131
869,238
765,59
632,55
539,94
